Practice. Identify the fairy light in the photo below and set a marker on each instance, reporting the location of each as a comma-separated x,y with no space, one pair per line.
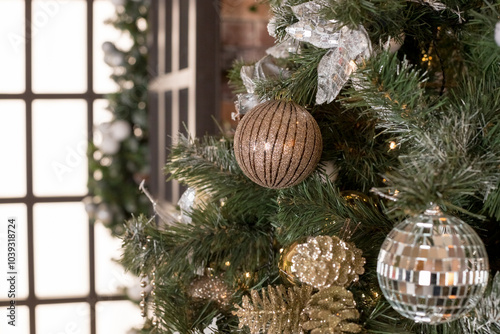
393,145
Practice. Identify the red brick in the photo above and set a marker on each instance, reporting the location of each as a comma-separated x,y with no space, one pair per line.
238,33
265,40
241,9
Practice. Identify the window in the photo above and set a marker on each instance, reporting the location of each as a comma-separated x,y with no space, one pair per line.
52,81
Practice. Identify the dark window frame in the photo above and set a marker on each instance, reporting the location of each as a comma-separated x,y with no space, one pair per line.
28,96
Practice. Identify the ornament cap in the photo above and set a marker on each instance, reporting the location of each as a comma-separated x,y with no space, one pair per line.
433,210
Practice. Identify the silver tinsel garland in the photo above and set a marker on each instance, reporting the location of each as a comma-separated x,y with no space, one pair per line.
347,46
266,68
485,317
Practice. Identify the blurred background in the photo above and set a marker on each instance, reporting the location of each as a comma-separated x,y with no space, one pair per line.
92,93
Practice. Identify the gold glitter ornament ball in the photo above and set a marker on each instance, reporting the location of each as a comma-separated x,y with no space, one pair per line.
285,264
278,144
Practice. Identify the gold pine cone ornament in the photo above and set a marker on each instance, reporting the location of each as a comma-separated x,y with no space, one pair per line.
322,262
278,144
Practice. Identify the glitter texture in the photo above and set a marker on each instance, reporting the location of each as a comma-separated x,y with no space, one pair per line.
277,311
323,261
432,268
210,288
331,311
278,144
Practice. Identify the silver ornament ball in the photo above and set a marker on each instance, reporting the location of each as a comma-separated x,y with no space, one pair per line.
432,267
103,214
109,145
120,129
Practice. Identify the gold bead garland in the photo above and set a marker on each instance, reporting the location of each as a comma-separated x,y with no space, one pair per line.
144,283
142,304
278,144
154,320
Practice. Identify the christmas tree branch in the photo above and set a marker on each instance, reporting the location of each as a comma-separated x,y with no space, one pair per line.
393,92
216,240
360,159
178,312
301,86
209,165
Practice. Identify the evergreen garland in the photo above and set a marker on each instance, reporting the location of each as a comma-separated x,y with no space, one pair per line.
114,178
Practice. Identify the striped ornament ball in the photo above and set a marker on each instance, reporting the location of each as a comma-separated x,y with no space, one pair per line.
278,144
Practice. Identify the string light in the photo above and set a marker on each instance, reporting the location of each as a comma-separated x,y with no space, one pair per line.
393,145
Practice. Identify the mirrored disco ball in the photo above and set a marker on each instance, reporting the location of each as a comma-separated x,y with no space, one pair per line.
432,268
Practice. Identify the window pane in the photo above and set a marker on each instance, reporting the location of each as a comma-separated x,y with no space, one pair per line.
60,147
21,264
12,44
117,317
63,318
22,322
59,46
101,113
110,276
13,148
61,239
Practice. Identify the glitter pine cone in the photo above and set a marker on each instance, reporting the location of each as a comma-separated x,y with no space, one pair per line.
323,261
212,288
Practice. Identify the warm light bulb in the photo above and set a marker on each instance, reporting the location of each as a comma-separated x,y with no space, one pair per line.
393,145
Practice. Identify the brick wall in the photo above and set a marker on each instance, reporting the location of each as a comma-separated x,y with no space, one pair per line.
243,36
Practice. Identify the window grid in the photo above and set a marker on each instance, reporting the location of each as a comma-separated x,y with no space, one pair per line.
30,200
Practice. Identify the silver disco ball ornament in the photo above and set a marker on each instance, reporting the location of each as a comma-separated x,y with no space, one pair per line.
432,268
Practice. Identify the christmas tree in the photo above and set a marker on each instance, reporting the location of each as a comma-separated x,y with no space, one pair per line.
360,191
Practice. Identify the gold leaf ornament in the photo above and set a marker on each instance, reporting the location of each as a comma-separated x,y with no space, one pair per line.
331,311
274,310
